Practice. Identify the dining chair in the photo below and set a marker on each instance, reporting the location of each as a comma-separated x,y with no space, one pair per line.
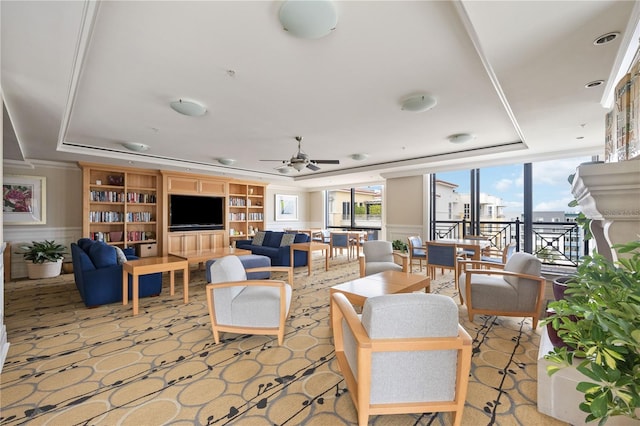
495,255
416,250
443,256
339,241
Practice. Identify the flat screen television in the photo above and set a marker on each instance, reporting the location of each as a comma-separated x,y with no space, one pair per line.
195,213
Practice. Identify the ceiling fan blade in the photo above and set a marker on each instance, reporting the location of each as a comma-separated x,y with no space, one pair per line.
313,167
282,161
326,161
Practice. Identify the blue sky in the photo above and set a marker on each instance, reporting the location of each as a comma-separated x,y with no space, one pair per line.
551,190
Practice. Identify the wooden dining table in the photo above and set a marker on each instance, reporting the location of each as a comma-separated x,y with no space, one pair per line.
471,245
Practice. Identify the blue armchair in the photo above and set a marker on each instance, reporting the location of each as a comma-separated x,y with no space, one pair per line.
97,270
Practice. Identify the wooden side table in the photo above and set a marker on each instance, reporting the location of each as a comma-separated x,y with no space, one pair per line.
310,247
150,265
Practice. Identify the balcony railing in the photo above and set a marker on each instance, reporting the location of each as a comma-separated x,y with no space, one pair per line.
554,243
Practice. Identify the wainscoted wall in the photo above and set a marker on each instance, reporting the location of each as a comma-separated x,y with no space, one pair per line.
64,236
63,207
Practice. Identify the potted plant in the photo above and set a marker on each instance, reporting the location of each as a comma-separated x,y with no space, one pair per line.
44,258
599,320
399,246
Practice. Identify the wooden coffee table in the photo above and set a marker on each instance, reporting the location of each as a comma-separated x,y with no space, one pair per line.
309,247
151,265
201,256
387,282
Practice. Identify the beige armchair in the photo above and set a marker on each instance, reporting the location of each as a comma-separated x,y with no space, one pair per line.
238,305
397,336
378,256
512,289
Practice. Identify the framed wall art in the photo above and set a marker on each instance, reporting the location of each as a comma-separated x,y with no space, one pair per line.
24,200
286,207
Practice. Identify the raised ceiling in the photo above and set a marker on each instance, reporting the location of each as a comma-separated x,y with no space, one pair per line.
79,79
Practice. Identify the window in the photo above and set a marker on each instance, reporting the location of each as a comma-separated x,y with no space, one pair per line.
360,208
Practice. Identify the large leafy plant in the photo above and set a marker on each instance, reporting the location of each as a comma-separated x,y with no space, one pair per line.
42,251
599,320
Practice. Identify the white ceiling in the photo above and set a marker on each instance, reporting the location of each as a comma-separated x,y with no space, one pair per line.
80,78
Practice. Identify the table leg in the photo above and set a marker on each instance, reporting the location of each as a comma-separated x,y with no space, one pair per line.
309,261
134,290
326,259
185,279
172,283
125,287
291,250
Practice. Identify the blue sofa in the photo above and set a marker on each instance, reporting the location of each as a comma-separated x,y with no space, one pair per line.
98,273
268,243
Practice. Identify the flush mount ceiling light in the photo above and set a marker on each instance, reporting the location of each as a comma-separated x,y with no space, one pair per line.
419,103
606,38
308,18
190,108
461,138
226,161
593,84
136,147
360,156
285,170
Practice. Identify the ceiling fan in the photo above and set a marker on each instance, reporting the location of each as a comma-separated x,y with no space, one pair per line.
300,160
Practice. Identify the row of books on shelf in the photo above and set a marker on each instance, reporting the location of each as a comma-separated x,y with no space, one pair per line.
106,217
140,236
256,216
237,202
139,217
237,216
135,197
118,197
120,217
106,196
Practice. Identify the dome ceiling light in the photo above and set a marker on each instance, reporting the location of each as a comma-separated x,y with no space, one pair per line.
419,103
309,19
135,146
190,108
226,161
360,156
461,138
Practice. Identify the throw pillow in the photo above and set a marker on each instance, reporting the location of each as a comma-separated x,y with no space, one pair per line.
102,255
287,240
258,239
120,255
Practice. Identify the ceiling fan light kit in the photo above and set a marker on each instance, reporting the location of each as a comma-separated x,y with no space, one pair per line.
135,146
309,19
190,108
419,103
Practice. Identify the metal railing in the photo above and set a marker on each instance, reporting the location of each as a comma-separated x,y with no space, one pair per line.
555,243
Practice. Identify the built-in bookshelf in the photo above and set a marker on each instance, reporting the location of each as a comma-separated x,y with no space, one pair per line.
245,210
120,205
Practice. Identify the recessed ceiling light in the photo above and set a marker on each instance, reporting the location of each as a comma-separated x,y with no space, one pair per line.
190,108
136,147
226,161
419,103
308,19
594,83
461,138
360,156
606,38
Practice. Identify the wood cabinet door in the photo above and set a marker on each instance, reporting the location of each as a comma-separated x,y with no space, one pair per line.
182,185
